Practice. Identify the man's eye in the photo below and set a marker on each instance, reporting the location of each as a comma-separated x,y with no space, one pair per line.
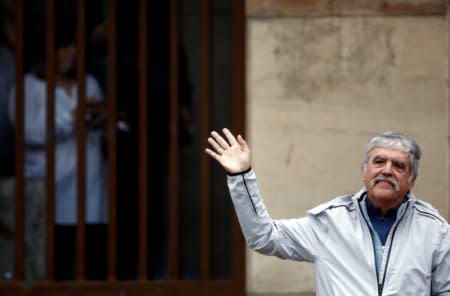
400,166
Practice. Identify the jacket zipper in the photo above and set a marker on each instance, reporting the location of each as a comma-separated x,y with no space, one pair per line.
381,285
380,288
249,195
389,251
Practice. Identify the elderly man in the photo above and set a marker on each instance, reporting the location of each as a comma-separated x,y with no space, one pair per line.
378,241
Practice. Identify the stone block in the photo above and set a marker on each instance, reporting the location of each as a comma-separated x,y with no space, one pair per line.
292,8
270,8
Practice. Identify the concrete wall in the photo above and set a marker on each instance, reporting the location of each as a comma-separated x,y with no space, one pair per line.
324,77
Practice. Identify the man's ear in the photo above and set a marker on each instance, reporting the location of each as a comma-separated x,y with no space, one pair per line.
363,167
363,172
412,182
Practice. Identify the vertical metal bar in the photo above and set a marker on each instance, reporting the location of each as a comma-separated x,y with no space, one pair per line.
50,144
174,182
205,176
112,147
143,142
81,143
20,144
238,110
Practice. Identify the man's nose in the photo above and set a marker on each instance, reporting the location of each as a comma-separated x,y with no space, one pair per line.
387,169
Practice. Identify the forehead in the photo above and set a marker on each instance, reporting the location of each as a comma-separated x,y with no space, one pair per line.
391,153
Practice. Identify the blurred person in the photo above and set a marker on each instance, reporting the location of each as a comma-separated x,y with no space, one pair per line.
65,138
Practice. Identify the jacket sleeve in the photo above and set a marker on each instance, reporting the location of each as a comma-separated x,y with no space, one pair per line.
296,239
440,284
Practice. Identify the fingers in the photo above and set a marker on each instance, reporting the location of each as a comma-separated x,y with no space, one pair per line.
220,144
231,139
219,140
212,154
232,153
241,141
216,146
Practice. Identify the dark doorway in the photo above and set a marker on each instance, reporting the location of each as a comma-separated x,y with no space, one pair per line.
170,71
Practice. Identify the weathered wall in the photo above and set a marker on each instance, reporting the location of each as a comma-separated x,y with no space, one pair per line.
325,76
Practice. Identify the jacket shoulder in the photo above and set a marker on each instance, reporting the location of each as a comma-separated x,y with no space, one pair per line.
344,201
425,209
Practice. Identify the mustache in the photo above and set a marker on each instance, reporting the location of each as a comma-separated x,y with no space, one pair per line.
391,181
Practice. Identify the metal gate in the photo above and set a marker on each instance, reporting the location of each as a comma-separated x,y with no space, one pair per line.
170,229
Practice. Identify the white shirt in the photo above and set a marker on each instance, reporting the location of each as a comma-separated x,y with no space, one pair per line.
35,99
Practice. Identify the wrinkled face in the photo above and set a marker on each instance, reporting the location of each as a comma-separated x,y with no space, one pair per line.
66,58
386,176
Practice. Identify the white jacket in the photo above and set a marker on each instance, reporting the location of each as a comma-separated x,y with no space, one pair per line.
336,238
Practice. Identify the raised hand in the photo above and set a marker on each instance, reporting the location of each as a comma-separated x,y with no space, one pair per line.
233,154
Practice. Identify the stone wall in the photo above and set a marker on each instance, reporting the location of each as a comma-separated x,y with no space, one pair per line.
324,77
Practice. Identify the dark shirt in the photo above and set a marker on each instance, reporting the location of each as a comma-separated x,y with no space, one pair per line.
381,223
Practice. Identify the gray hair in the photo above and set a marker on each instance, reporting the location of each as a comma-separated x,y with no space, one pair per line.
396,140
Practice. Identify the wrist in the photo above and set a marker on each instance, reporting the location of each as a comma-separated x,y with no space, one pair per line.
240,172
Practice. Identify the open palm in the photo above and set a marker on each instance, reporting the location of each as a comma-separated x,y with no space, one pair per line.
233,154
